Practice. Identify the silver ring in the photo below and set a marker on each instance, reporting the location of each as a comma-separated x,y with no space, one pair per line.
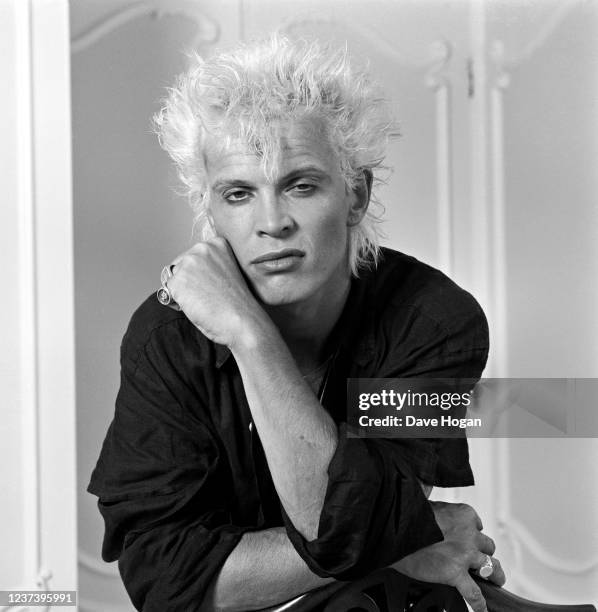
487,568
164,296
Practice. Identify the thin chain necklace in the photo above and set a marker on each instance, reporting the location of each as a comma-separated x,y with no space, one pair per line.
318,379
318,368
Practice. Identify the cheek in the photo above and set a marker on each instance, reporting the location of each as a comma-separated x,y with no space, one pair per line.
332,237
228,226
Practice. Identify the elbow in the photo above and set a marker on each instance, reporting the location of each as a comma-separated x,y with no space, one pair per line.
228,599
226,594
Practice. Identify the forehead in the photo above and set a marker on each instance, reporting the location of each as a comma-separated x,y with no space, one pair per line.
289,146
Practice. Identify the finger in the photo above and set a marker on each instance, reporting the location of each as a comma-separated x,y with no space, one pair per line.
478,520
470,513
166,298
497,576
471,593
486,544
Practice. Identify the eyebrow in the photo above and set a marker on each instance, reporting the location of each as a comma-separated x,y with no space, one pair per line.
293,174
226,182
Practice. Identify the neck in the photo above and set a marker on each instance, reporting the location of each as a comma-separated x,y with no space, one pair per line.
305,326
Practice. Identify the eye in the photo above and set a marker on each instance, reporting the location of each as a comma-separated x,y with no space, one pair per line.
236,196
302,188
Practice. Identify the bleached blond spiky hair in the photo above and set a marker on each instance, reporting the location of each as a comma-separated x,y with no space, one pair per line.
251,90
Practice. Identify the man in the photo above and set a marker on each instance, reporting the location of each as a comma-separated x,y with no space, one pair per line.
227,480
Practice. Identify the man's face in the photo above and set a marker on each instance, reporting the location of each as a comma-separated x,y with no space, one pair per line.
290,233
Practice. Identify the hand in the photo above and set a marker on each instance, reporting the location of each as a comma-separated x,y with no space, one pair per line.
459,521
448,562
210,289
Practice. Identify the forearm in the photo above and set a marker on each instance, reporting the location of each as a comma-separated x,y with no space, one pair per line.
298,435
262,570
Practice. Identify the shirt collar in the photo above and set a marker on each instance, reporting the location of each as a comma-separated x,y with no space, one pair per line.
222,354
354,331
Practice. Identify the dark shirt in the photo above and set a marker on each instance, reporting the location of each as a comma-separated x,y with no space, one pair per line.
182,474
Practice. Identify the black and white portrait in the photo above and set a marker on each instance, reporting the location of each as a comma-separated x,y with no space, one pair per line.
220,218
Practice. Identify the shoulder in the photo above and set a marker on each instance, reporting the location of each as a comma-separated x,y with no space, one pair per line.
157,330
417,315
407,286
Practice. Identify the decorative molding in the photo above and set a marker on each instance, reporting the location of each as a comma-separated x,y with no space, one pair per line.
502,78
44,576
95,566
440,56
542,32
208,30
512,532
46,325
438,80
28,293
520,540
497,173
478,144
517,531
528,587
373,38
488,456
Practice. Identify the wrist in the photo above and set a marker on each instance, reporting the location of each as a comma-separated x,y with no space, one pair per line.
254,334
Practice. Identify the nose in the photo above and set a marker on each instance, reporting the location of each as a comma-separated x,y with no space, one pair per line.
272,216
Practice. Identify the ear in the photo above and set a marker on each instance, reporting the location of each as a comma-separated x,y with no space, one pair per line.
361,199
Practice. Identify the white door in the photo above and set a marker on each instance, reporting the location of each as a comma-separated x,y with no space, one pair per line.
37,358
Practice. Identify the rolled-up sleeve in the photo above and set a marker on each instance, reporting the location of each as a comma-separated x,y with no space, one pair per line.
161,489
374,512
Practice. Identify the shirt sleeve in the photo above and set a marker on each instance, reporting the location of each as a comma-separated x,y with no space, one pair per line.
166,518
374,511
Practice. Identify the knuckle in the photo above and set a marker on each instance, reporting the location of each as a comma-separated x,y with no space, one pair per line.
474,557
485,543
467,510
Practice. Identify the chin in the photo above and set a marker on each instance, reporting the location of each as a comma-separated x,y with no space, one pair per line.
281,294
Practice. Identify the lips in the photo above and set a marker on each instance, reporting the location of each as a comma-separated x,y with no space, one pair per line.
275,255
